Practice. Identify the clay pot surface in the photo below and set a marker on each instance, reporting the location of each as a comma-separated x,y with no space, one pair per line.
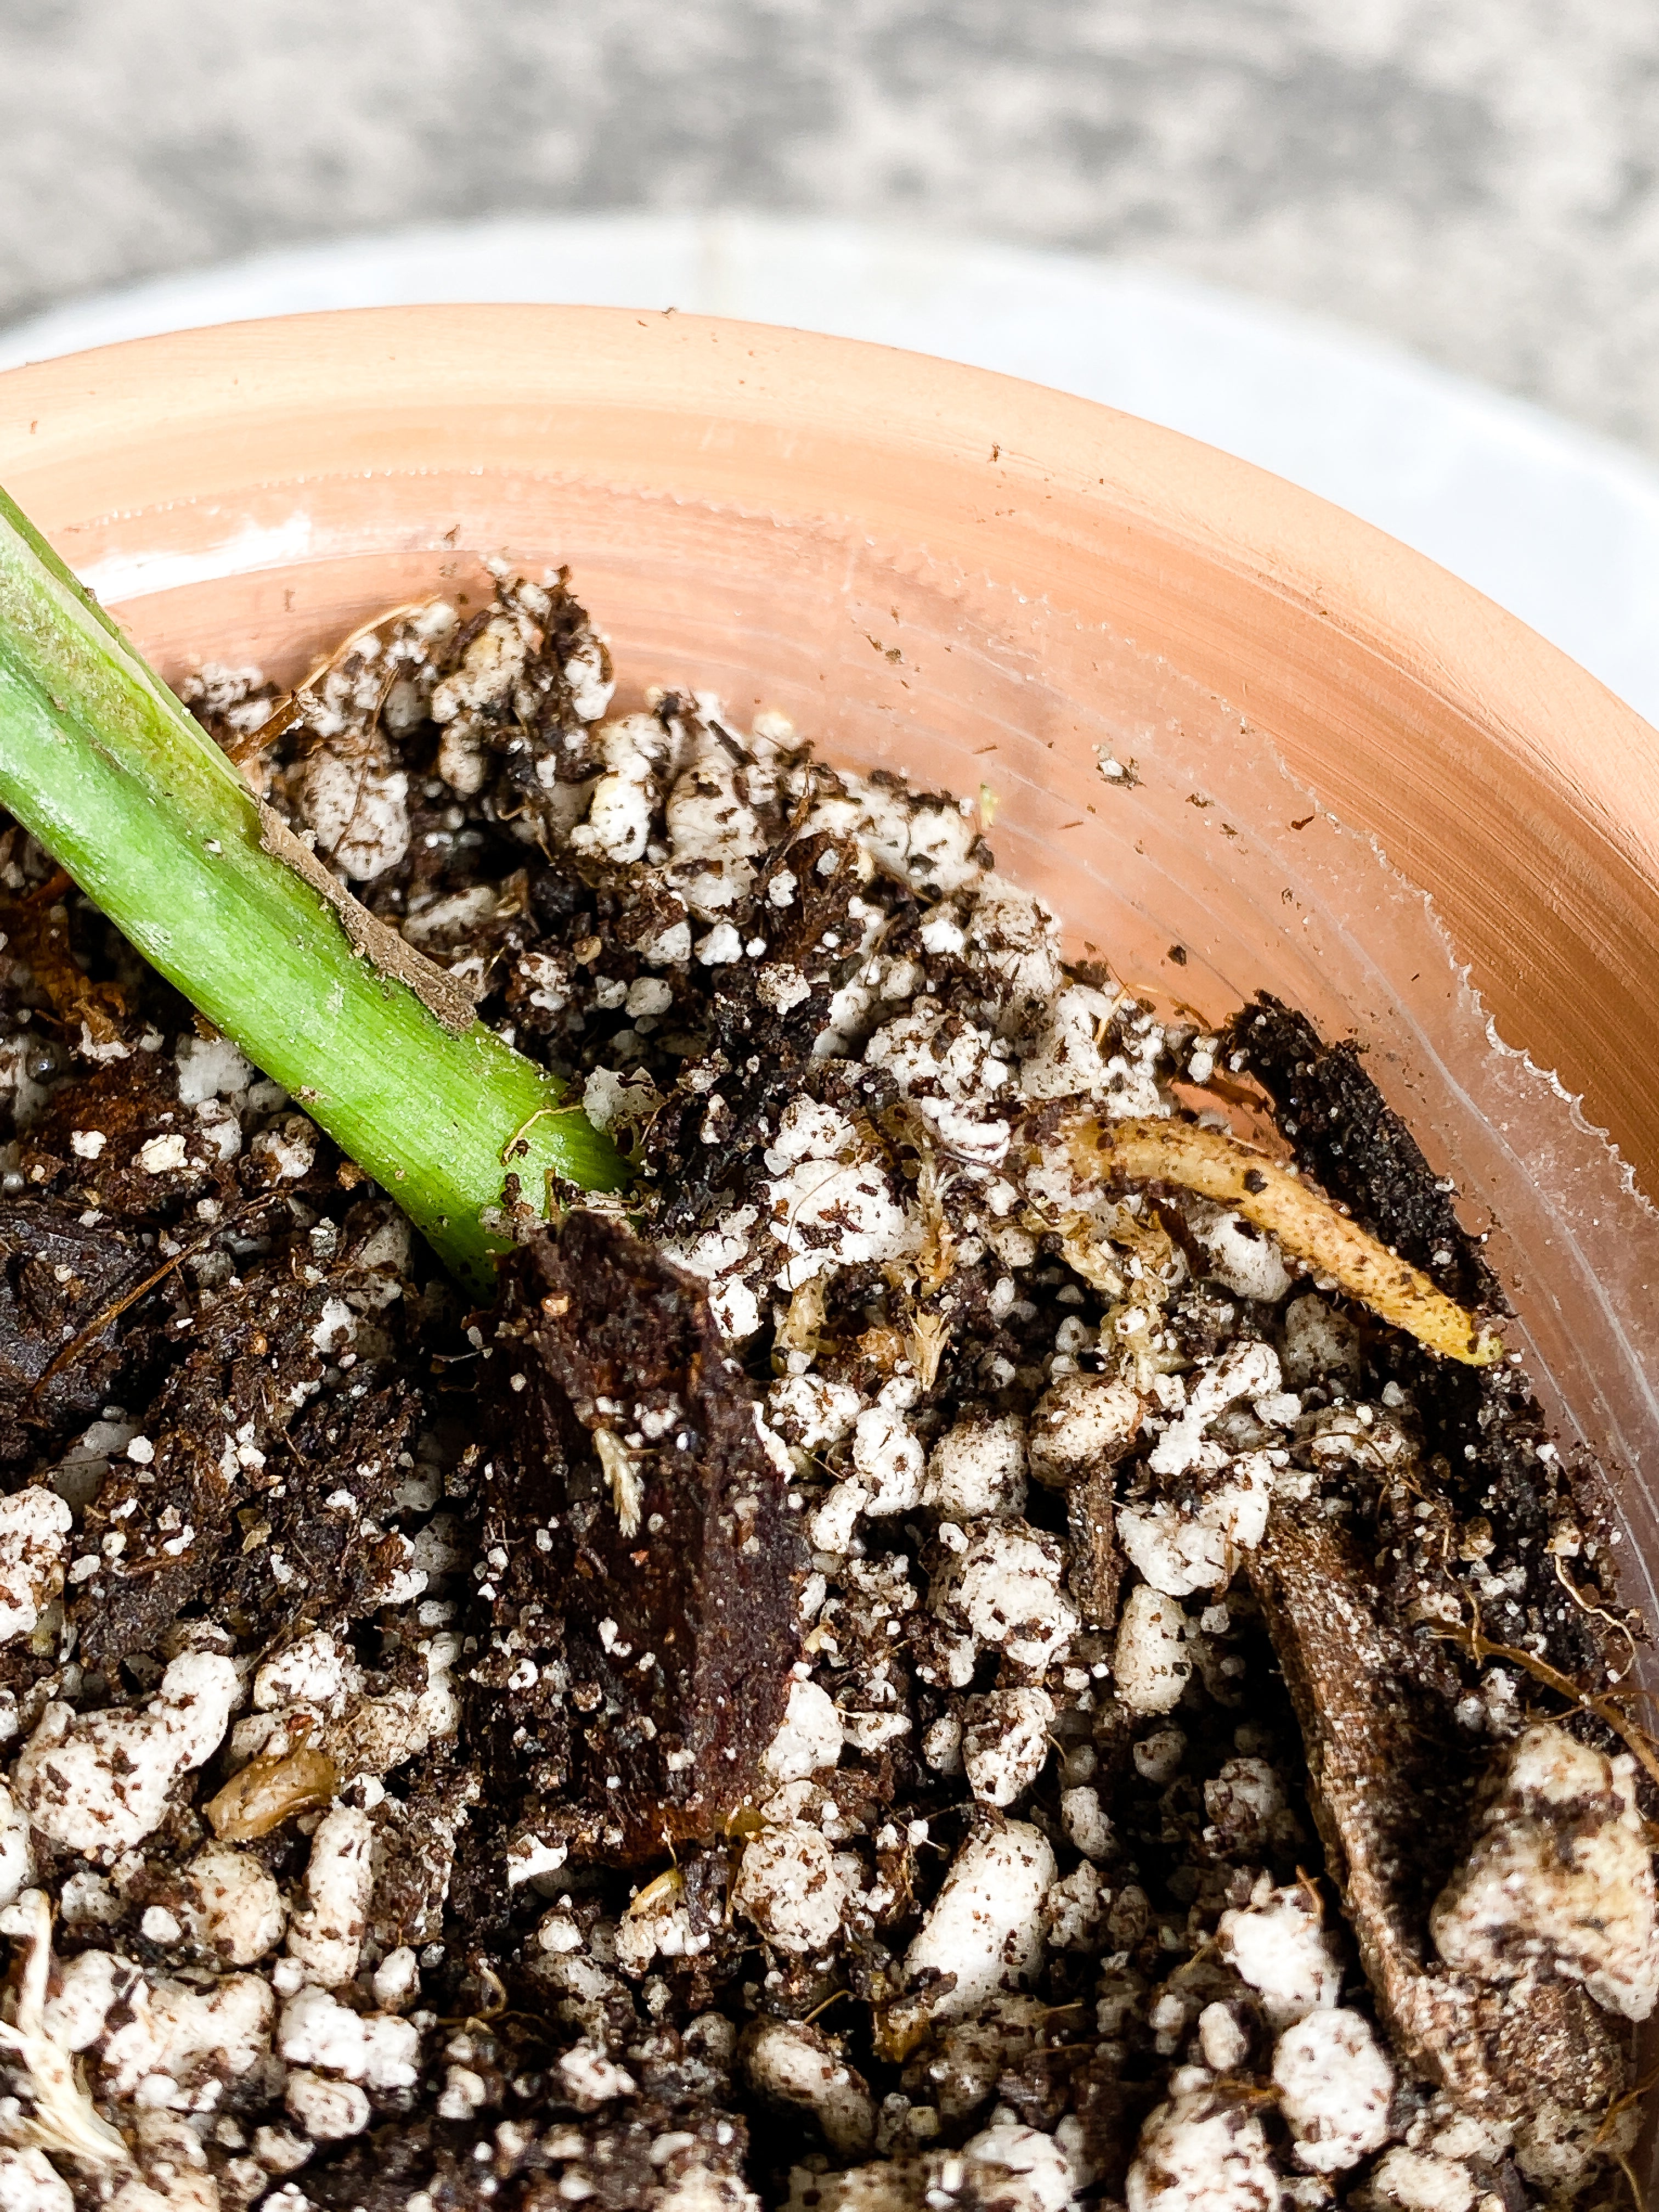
1349,779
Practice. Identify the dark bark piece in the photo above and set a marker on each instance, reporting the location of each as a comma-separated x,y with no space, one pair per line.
1360,1150
57,1277
1390,1792
659,1585
250,1508
1096,1563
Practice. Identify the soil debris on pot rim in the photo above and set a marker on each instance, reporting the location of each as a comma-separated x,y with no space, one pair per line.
895,1675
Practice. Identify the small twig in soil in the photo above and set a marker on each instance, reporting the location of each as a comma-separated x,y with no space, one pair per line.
68,1354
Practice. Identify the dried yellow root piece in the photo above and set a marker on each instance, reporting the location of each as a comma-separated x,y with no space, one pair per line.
268,1790
1307,1226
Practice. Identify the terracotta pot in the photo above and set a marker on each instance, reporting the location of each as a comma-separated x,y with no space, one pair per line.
1355,782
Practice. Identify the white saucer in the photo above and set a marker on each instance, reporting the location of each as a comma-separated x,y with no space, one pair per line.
1557,524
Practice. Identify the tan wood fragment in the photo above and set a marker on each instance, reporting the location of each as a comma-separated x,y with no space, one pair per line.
1382,1778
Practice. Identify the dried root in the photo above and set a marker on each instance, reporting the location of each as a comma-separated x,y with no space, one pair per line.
1607,1705
64,2122
1307,1226
627,1487
930,1332
268,1790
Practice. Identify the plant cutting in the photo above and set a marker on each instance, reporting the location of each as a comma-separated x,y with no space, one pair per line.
123,786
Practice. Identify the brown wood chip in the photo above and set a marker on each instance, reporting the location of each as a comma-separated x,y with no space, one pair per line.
1386,1780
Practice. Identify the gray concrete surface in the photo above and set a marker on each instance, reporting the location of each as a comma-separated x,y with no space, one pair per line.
1474,178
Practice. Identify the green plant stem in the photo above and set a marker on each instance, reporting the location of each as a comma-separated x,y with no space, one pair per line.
131,796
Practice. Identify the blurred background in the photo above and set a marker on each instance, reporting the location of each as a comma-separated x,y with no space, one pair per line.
1404,251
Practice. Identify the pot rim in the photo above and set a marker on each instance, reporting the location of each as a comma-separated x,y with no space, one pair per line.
1315,624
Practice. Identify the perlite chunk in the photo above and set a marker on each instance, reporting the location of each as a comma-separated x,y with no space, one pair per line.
1560,1875
183,2043
30,2183
1204,2151
977,1468
808,1735
99,1782
789,1884
34,1526
1003,1590
1195,1546
790,2063
1004,1742
1079,1423
985,1926
382,2051
233,1906
327,1937
1335,2085
1280,1946
1151,1660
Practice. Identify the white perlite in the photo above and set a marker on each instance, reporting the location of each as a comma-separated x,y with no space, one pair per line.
789,1886
314,1671
376,2049
590,2078
179,2045
1081,1422
1243,1371
1005,1591
99,1782
326,1938
1417,2181
1238,1255
1007,2166
16,1851
809,1736
986,1924
1197,1546
1075,1909
977,1468
789,2062
30,2183
1280,1945
1085,1819
811,1412
34,1528
1151,1662
1222,2038
1560,1873
236,1908
326,2110
887,1455
1203,2151
1004,1742
1334,2086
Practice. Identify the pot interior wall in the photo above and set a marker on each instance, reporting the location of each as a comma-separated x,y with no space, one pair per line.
1206,874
